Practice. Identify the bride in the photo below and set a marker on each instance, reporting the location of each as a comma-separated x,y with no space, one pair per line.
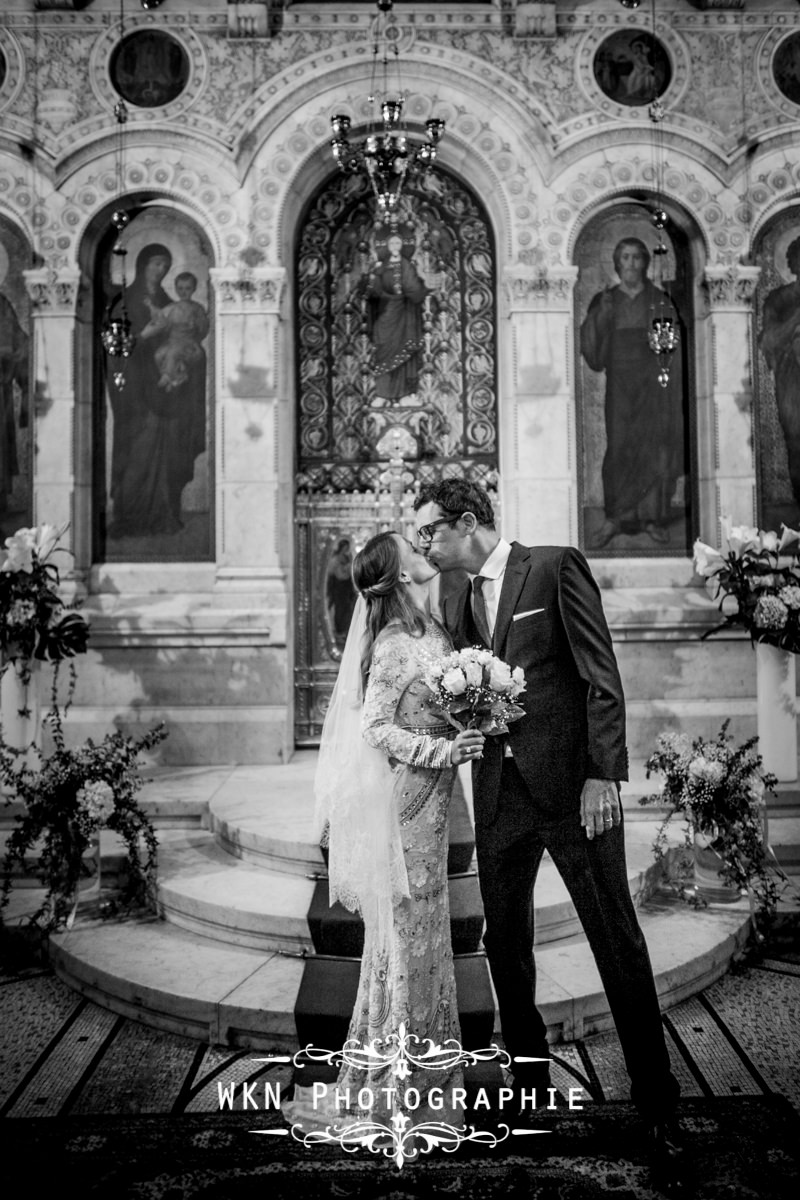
383,785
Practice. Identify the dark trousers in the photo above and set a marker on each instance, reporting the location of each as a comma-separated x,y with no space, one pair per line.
509,851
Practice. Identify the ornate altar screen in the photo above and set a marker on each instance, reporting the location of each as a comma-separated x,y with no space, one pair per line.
397,385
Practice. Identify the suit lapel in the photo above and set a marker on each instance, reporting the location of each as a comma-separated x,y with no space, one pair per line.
516,573
454,611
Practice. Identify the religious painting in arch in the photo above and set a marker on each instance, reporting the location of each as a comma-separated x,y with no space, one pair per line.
16,415
396,371
635,427
153,486
777,371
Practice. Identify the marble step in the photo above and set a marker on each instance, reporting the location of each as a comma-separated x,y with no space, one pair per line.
337,931
265,816
204,889
232,995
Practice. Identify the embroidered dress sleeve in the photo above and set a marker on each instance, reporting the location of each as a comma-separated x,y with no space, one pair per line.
394,666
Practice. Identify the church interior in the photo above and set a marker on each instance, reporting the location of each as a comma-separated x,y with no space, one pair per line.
267,269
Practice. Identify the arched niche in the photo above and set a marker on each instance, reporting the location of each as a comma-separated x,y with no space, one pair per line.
636,434
16,408
777,370
148,429
396,367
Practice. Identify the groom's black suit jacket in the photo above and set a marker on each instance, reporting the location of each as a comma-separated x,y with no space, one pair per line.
574,723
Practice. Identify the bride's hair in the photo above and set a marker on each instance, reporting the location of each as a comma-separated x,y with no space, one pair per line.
376,574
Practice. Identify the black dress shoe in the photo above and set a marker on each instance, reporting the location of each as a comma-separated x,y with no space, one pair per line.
669,1168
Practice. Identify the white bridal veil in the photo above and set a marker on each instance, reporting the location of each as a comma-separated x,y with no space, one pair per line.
353,789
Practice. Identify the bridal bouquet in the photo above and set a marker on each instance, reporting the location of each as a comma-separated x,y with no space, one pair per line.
756,582
476,690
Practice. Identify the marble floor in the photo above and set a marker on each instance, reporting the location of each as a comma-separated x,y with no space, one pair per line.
60,1054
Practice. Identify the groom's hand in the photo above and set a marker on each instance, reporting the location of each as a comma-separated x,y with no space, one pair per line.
600,807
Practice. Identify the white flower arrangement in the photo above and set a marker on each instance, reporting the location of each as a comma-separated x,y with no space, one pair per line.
756,583
476,690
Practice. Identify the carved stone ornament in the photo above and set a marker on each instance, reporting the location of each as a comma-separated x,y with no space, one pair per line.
731,287
257,290
248,18
53,293
529,287
535,18
61,5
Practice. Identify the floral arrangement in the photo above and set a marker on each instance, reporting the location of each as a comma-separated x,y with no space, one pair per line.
68,799
34,621
756,582
476,690
718,788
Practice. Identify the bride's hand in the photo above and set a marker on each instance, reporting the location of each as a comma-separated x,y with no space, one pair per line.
466,747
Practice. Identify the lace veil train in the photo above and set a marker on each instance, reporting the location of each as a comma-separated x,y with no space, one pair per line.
353,789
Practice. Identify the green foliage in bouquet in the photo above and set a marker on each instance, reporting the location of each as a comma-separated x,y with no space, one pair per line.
67,799
719,788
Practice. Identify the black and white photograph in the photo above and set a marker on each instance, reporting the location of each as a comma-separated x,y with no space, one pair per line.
400,599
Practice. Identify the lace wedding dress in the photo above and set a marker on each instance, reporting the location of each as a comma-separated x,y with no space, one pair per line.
411,984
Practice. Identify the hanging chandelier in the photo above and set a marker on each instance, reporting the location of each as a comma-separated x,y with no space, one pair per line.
663,337
387,155
115,330
116,335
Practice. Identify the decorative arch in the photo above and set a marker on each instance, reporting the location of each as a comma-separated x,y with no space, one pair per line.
777,374
396,342
636,444
495,137
150,426
16,408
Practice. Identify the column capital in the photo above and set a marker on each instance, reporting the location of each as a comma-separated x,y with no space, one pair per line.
532,288
731,288
53,293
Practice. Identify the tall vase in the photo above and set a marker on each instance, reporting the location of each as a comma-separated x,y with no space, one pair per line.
20,714
88,887
776,692
707,866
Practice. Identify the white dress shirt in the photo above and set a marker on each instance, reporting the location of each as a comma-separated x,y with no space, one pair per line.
493,571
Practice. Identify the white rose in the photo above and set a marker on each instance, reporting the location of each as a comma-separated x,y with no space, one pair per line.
518,681
500,677
454,681
474,673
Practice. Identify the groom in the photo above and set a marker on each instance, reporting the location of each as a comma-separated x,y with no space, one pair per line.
551,784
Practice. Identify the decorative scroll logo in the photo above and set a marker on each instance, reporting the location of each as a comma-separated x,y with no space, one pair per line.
401,1138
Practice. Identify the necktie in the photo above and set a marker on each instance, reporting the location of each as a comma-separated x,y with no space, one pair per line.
479,609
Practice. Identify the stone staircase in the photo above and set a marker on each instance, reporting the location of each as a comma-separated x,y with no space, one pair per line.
246,952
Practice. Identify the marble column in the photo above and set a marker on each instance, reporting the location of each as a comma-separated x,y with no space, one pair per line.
254,495
537,407
725,403
53,299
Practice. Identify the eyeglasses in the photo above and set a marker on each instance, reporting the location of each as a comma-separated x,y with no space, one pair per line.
425,532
